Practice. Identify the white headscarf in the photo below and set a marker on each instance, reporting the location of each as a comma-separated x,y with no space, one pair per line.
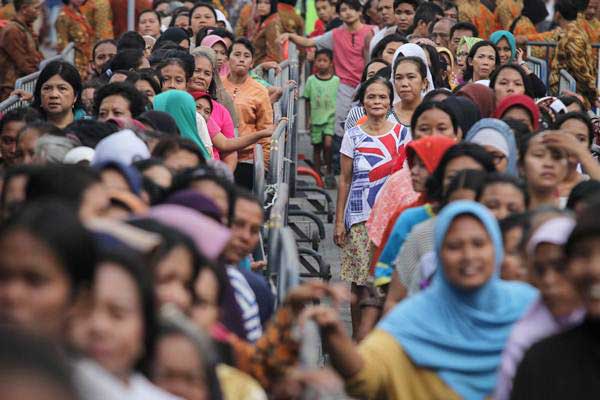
411,50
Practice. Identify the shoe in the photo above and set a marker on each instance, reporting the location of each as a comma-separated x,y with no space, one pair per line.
330,182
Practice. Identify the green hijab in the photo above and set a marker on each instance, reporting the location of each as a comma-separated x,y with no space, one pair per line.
470,42
181,106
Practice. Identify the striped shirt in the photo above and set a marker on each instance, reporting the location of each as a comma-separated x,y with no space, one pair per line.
246,299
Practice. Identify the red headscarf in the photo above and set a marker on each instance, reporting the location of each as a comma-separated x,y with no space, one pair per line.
519,100
430,150
482,96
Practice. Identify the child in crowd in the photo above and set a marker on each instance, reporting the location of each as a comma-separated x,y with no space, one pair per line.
320,92
328,18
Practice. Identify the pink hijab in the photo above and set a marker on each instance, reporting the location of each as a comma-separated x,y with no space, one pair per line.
210,41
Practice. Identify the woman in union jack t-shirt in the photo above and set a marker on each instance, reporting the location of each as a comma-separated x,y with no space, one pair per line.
370,153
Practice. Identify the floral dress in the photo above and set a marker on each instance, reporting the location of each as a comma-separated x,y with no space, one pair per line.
72,26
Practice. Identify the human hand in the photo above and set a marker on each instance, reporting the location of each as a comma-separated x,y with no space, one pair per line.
317,290
283,38
25,96
339,235
271,65
565,140
326,317
258,265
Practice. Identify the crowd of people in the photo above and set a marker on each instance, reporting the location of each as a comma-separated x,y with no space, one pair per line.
467,191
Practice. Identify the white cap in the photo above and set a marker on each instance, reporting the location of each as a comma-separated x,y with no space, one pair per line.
79,154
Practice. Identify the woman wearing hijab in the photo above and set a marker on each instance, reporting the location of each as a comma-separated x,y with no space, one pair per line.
521,108
481,95
411,50
465,112
496,137
445,342
558,308
181,106
566,365
219,46
462,54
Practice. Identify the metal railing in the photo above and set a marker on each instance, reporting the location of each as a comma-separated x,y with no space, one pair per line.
566,82
9,104
539,67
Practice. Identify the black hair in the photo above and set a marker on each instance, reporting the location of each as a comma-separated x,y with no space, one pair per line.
568,100
148,75
524,145
132,263
567,9
435,66
42,127
463,26
13,172
131,40
156,3
126,60
25,356
67,183
435,92
583,192
89,131
493,178
95,83
59,228
18,4
67,72
363,77
521,220
473,51
185,66
244,42
272,10
21,114
435,183
587,227
101,42
382,44
326,52
427,12
244,194
414,3
136,100
224,33
431,105
447,5
181,11
519,129
148,11
579,116
421,66
362,91
520,70
469,179
353,4
205,5
170,144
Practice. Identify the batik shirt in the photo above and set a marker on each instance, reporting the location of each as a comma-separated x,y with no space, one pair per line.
373,159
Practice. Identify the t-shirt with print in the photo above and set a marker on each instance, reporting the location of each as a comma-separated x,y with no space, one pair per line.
373,158
321,93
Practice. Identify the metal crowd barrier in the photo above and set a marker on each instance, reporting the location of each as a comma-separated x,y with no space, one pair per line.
539,67
566,82
28,82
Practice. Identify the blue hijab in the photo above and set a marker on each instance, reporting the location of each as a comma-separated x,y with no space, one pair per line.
503,130
460,334
510,38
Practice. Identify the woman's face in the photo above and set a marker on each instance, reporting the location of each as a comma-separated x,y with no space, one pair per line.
503,199
461,56
204,107
240,60
467,254
433,122
160,175
178,369
263,7
408,82
146,88
373,68
26,146
149,25
499,158
185,43
577,129
389,50
584,272
377,100
205,313
544,167
114,328
221,52
115,106
504,51
173,77
548,274
35,291
57,96
418,174
180,160
519,114
513,265
173,278
483,62
508,82
203,74
458,164
182,21
202,17
214,192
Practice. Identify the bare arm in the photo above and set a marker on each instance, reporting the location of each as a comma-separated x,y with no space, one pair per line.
297,39
230,159
396,293
343,192
226,145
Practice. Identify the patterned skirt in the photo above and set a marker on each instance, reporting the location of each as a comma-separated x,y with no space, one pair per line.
356,255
